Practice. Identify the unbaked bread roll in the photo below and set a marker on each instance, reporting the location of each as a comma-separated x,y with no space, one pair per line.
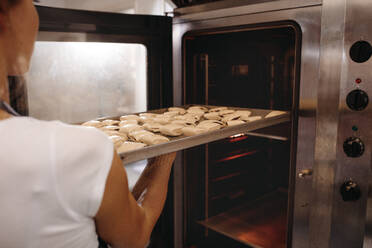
202,108
117,140
93,123
211,121
130,128
136,135
231,117
251,118
189,117
170,114
218,109
113,128
210,125
129,117
172,130
191,131
153,139
144,119
110,122
116,133
126,122
274,113
152,126
148,115
180,111
212,116
243,112
196,111
130,146
226,112
187,122
162,120
235,123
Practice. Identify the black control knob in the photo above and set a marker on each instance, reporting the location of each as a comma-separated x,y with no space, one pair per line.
360,51
357,100
354,147
350,191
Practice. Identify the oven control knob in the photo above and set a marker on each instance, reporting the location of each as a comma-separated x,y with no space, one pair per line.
354,147
350,191
357,100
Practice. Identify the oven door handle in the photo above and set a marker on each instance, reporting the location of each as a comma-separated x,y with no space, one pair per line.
305,173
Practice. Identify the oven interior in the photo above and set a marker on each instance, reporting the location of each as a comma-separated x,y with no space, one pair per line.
237,191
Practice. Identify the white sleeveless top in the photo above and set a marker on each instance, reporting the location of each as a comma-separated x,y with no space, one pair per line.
52,180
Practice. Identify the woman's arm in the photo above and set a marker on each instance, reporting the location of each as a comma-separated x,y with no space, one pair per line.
121,221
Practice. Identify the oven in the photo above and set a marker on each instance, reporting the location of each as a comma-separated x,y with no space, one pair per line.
302,184
243,191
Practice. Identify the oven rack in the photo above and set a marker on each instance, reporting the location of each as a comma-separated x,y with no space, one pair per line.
182,142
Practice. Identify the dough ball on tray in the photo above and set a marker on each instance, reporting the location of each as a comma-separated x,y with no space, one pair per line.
226,112
126,122
136,135
170,114
110,122
246,113
191,131
116,133
162,120
148,115
197,108
187,122
180,111
153,139
144,119
129,117
152,126
93,123
251,118
130,146
212,116
231,117
117,140
218,109
130,128
112,128
172,130
210,125
274,113
235,123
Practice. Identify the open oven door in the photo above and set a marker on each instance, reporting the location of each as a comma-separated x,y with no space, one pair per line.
91,62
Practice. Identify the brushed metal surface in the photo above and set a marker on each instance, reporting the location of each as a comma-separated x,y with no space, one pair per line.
225,9
331,56
349,227
308,18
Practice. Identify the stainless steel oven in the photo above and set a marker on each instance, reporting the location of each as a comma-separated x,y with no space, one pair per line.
244,192
303,184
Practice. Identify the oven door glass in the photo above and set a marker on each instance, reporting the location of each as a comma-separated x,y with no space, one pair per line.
79,81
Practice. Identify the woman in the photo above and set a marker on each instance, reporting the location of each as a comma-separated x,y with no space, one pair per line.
62,185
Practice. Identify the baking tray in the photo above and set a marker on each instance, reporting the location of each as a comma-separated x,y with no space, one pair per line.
182,142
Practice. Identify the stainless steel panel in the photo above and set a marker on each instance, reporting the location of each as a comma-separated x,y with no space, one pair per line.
348,218
308,18
225,9
334,222
327,123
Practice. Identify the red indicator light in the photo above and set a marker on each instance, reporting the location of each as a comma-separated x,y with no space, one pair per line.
358,80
